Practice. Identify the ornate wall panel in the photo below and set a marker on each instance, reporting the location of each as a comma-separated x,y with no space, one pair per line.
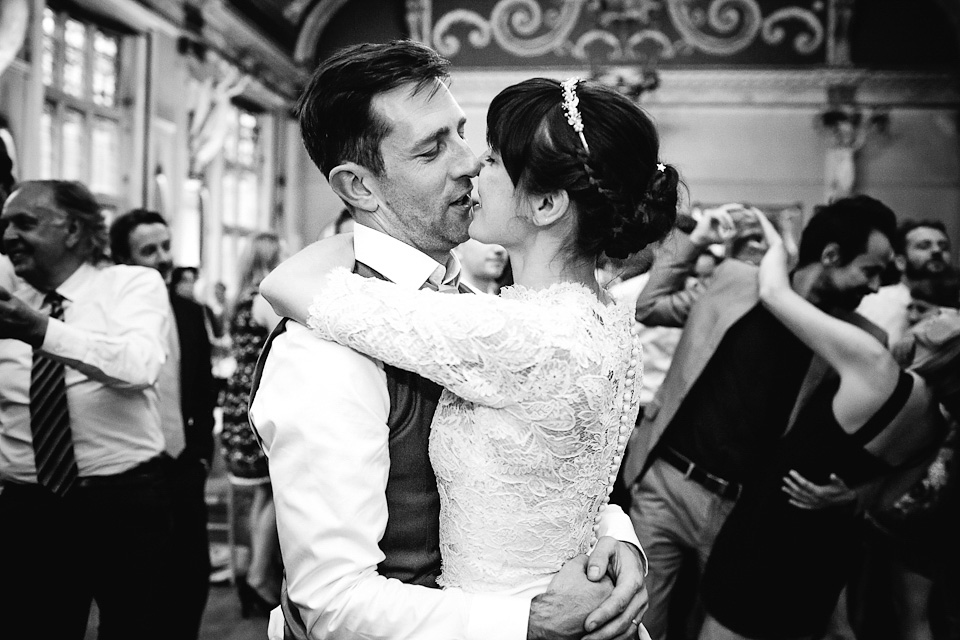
539,33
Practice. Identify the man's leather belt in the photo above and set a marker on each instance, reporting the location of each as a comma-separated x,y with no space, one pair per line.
710,482
148,471
143,472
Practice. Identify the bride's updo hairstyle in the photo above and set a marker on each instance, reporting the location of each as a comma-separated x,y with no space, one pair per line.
609,166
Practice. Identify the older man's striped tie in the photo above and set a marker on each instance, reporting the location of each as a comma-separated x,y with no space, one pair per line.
50,418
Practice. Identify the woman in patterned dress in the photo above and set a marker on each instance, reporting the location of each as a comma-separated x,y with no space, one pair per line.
252,322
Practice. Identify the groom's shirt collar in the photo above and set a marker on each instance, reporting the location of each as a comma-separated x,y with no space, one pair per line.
397,260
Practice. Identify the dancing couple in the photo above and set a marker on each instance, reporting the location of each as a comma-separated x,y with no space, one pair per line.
470,442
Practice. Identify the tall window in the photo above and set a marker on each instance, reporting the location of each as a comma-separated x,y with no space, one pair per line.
81,123
243,161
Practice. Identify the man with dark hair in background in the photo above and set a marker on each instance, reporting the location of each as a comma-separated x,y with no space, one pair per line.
922,252
85,506
187,401
736,381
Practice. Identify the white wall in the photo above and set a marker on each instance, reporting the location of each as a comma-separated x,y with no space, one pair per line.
754,137
312,204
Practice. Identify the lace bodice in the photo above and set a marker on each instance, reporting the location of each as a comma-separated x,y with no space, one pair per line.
541,393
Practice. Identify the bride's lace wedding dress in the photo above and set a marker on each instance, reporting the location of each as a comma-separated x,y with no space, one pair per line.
541,393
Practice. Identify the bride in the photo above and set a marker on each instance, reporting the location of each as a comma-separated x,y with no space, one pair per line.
541,383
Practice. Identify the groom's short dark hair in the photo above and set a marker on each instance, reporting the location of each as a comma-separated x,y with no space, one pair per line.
336,121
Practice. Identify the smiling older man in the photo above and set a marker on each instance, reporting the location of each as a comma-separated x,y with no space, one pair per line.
84,504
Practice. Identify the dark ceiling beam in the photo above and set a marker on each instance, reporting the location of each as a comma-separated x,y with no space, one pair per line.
312,27
163,16
237,36
231,35
952,9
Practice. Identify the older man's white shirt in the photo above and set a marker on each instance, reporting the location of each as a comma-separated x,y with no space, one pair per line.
112,341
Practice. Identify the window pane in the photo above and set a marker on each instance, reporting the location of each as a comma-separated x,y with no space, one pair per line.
231,247
230,141
104,147
75,37
49,46
47,162
229,199
228,256
104,69
72,145
247,200
247,139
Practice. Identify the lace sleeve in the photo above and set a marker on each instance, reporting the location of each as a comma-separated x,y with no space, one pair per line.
482,348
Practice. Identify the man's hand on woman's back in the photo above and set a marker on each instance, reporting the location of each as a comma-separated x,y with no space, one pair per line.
603,603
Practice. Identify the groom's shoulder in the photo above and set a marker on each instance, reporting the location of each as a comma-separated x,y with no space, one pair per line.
297,348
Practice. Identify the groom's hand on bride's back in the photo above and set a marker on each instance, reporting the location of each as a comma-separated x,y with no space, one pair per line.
622,562
604,603
560,612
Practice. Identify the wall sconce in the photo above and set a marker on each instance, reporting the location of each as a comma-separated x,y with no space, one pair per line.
630,81
637,74
849,126
843,112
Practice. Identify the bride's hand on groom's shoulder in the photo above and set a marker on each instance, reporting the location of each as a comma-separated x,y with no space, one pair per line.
291,287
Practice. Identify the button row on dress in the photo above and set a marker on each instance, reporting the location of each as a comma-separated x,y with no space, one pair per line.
624,429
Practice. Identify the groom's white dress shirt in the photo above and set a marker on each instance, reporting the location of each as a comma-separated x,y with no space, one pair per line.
321,410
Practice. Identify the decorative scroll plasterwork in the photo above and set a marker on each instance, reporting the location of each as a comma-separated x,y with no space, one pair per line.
530,28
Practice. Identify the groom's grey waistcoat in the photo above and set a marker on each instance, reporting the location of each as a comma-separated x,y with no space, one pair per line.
411,542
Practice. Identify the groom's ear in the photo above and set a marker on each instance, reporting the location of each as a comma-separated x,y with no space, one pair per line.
550,207
351,182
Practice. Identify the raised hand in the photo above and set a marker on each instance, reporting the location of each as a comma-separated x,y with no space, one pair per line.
715,226
19,322
775,265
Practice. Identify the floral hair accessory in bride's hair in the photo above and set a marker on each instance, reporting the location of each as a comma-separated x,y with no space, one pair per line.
570,103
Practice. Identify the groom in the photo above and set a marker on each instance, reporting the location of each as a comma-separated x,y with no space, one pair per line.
356,498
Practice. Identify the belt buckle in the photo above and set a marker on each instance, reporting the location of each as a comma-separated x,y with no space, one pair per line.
690,469
726,486
736,493
721,484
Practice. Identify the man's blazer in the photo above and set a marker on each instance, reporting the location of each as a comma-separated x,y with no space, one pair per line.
197,392
732,292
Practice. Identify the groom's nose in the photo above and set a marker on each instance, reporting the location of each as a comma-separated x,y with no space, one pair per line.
467,164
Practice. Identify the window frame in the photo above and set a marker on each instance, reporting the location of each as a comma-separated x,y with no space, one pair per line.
235,233
59,103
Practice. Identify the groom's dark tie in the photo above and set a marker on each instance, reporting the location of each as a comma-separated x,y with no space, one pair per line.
50,418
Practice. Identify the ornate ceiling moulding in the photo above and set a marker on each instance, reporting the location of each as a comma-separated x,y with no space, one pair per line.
671,32
315,20
240,41
720,87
